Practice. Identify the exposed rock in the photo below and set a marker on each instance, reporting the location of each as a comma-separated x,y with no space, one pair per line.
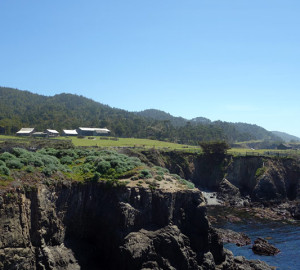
295,211
90,226
229,236
166,248
229,193
262,247
261,179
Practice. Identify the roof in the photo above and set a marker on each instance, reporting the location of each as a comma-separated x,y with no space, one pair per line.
39,133
25,131
52,131
103,130
70,131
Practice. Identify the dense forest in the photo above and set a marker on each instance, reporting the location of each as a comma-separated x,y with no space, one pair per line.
67,111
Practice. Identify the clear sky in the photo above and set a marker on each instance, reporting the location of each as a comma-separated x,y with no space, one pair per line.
233,60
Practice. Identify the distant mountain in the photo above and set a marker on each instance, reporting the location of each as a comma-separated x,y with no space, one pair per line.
66,111
286,137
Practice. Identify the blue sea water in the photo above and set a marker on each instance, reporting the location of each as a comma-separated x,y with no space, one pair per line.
283,236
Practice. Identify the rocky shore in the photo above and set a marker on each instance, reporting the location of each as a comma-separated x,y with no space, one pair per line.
91,226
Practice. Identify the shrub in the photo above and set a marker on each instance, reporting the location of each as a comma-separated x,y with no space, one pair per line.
158,178
14,164
49,170
6,156
145,174
91,159
260,171
176,176
29,169
102,167
37,162
160,170
4,170
2,163
48,151
188,184
96,177
49,160
66,160
19,152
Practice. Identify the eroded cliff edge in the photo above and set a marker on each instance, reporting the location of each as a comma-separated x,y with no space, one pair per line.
263,179
90,226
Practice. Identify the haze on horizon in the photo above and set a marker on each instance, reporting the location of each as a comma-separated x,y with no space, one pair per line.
235,61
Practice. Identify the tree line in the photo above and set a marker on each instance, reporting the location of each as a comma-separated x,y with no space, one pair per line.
67,111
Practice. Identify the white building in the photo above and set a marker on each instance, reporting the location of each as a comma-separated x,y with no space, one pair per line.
69,132
25,132
84,131
52,132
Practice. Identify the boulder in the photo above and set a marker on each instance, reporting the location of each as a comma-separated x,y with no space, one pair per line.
262,247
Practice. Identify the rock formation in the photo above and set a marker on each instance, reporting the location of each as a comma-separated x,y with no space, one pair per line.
91,226
262,247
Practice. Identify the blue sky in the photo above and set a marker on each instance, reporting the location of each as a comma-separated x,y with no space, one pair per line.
234,60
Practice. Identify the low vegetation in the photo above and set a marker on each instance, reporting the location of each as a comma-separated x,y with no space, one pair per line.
84,165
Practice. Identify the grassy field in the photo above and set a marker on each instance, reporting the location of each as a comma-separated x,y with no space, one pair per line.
146,143
127,142
111,142
262,152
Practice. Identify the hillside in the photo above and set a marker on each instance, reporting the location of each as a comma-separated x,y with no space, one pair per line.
286,137
233,131
66,111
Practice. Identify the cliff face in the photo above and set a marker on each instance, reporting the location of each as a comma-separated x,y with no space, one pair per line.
261,178
93,227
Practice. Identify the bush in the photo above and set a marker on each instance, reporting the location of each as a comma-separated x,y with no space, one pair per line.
260,171
188,184
161,170
2,163
66,160
19,152
96,177
49,170
29,169
6,156
14,164
49,160
48,151
102,167
4,170
91,159
145,174
158,178
37,162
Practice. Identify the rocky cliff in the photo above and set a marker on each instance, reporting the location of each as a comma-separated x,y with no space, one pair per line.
261,178
92,226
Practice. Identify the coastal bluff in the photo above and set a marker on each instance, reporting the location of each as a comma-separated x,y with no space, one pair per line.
91,226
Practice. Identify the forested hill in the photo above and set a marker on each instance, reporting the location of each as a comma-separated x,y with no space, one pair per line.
66,111
286,137
245,131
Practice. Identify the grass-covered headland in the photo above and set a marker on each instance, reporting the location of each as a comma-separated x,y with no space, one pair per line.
84,165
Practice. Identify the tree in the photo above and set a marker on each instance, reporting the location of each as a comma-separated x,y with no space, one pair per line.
214,148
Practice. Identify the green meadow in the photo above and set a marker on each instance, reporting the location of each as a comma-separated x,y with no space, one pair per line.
126,142
107,142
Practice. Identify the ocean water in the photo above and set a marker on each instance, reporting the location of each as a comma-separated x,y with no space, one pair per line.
285,237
